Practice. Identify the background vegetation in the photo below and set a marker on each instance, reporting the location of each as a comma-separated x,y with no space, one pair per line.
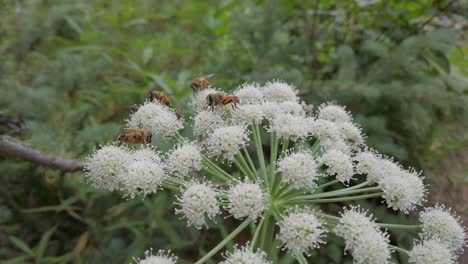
70,70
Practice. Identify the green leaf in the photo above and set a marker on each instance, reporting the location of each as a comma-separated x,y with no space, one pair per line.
40,250
147,55
21,245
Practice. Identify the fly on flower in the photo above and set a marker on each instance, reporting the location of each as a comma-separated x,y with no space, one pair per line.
135,136
218,99
200,83
159,96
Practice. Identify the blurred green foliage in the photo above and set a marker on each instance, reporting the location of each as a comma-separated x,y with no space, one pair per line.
70,70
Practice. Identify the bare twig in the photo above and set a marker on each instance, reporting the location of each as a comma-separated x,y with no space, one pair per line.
11,148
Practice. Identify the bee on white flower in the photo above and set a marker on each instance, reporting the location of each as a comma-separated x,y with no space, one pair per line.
198,100
157,118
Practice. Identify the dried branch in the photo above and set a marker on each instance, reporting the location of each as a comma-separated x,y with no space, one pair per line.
11,148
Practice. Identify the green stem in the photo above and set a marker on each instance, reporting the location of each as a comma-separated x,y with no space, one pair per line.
225,241
207,162
301,259
258,145
242,167
273,155
170,187
246,166
315,146
397,226
399,249
249,160
215,173
334,200
338,193
256,234
326,185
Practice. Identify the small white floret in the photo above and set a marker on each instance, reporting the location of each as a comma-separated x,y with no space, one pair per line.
184,159
246,200
299,170
249,93
363,238
333,112
106,165
440,223
279,91
226,142
289,126
244,255
403,191
248,114
157,118
338,164
431,252
162,257
301,231
206,121
198,202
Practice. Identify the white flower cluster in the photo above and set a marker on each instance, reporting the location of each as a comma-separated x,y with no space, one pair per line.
157,118
246,200
363,237
439,223
161,257
299,170
197,202
338,164
245,255
137,172
289,126
301,231
225,142
205,122
431,252
184,159
403,189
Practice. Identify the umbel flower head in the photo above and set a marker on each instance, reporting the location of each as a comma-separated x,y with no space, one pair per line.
106,166
226,142
245,255
161,257
260,163
439,223
198,202
301,231
299,170
431,251
246,200
184,159
363,237
157,118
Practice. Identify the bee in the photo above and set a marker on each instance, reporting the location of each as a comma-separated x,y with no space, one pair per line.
216,99
199,83
159,96
135,136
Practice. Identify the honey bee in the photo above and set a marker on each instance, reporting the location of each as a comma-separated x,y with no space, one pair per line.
199,83
135,136
159,96
216,99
